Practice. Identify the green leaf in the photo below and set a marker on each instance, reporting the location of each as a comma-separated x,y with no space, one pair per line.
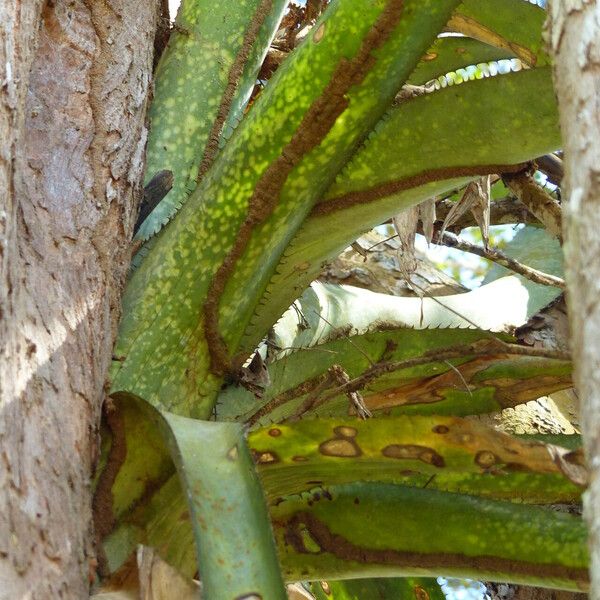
376,530
444,453
202,82
534,247
355,328
186,306
409,588
159,515
236,556
448,54
515,25
429,142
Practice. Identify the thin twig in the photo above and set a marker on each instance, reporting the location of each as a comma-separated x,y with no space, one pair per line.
460,375
335,375
356,400
313,398
448,308
452,241
387,239
305,387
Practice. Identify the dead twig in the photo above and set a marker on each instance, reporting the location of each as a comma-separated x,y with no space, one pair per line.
356,400
452,241
335,375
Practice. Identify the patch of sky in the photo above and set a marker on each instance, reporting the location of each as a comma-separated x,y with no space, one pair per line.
468,269
462,589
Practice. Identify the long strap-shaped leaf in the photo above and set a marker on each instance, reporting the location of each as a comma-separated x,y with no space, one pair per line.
324,310
185,114
448,54
355,329
379,589
149,506
202,82
375,530
234,541
513,25
444,453
184,308
429,142
146,464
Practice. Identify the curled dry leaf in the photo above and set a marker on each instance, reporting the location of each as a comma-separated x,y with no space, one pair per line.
405,225
427,216
481,208
475,198
255,376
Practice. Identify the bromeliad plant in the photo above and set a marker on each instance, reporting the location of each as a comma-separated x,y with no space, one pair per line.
255,472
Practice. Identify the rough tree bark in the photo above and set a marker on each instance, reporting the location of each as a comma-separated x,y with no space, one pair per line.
74,84
574,36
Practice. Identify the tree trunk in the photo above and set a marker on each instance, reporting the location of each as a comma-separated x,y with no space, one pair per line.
574,35
74,82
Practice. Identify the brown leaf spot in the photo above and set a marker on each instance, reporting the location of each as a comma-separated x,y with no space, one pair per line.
342,448
412,451
267,458
485,459
345,431
299,458
325,587
232,454
429,56
440,429
421,593
274,432
319,33
250,596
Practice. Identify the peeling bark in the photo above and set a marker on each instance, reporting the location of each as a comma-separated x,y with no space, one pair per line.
74,85
574,35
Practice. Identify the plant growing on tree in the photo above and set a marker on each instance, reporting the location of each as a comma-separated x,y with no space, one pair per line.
235,439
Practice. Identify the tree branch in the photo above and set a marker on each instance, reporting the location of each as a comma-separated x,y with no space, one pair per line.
452,241
537,200
552,166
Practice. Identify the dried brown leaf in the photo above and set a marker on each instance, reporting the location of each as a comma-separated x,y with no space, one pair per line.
428,217
475,198
480,209
405,225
